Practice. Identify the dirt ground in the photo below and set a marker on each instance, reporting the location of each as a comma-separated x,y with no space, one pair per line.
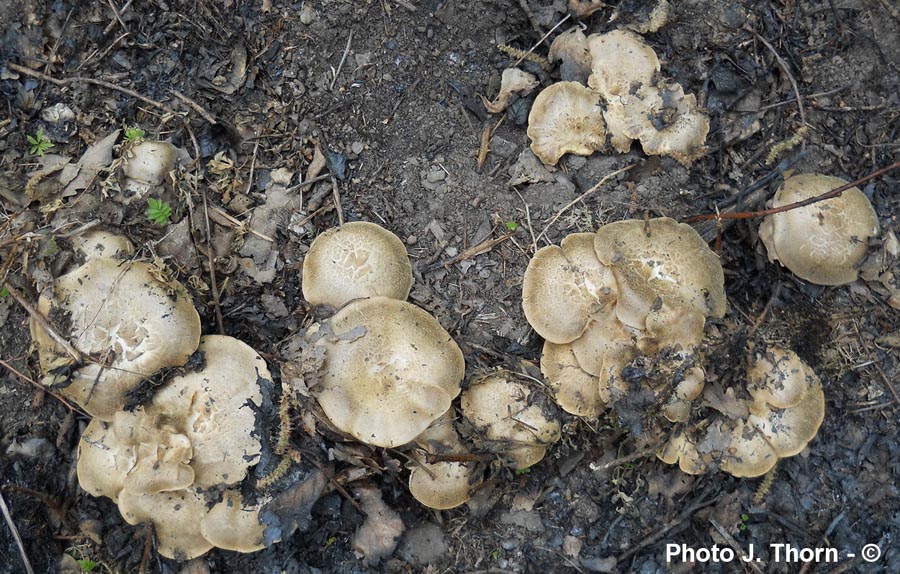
389,91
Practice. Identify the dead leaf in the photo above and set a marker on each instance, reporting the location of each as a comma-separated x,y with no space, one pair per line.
377,538
95,158
290,510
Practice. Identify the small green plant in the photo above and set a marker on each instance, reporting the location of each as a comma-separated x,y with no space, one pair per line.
158,211
512,225
495,555
134,133
745,518
87,565
330,542
521,471
38,143
4,292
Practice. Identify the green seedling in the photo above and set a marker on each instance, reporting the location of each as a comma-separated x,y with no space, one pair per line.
745,518
134,133
38,143
521,471
158,211
512,225
4,292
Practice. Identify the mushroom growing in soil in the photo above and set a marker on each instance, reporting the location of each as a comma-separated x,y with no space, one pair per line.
147,166
358,259
390,369
443,484
98,243
566,117
621,62
126,319
513,82
825,242
509,413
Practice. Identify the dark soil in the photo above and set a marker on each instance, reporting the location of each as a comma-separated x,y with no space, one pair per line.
389,90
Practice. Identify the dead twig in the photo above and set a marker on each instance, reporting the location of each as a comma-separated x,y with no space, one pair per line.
530,15
539,42
15,534
656,536
343,59
117,14
41,387
42,321
194,106
336,195
112,24
482,247
735,545
784,67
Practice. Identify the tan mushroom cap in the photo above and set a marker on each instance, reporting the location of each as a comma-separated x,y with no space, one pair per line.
103,460
670,257
99,243
663,119
122,314
575,390
680,449
162,465
176,518
621,62
789,430
674,328
566,117
358,259
216,408
749,454
440,485
564,287
778,378
233,525
572,50
824,242
686,392
150,162
501,408
513,81
606,344
389,372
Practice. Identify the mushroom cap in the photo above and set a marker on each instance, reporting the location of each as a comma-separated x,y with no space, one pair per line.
675,328
686,391
216,409
176,518
621,62
505,410
606,344
440,485
150,162
358,259
789,430
161,465
119,312
103,460
572,49
749,454
389,371
680,449
824,242
778,378
99,243
575,390
664,257
512,82
566,117
233,525
564,287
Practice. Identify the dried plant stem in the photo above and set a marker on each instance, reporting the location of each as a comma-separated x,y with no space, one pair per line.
15,534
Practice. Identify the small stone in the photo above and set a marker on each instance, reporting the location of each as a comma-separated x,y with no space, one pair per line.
58,113
357,147
503,147
510,544
435,176
307,14
412,240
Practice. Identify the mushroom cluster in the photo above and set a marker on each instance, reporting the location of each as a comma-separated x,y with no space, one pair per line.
600,299
197,434
825,242
782,412
623,72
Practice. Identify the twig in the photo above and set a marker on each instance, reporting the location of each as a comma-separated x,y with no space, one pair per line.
43,388
528,221
399,101
214,285
82,80
734,545
544,37
337,200
52,55
118,16
762,316
531,17
654,537
112,25
406,5
625,459
229,219
482,247
784,66
76,355
194,106
252,165
15,534
484,148
343,59
581,197
797,204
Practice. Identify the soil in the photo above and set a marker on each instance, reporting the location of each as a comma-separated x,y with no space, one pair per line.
388,90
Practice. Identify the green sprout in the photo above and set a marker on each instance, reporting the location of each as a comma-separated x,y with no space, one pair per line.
87,565
521,471
38,143
134,133
330,542
745,518
512,225
4,292
495,555
158,211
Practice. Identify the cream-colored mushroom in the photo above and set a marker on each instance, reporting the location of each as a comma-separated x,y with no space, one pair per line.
513,82
678,409
749,454
566,118
390,370
621,62
103,460
575,390
147,165
358,259
176,518
232,524
442,484
128,320
98,243
571,49
507,411
822,243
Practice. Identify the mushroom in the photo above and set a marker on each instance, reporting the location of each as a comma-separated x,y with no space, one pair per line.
508,412
103,460
566,118
444,484
678,409
663,119
98,243
390,369
147,165
564,287
575,390
232,524
124,317
571,49
513,81
822,243
621,62
357,259
176,518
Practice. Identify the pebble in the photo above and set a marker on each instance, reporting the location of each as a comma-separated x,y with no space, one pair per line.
357,147
510,544
423,545
435,176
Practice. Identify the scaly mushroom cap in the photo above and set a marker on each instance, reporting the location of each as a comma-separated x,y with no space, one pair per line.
513,81
664,120
575,390
749,454
566,117
389,371
506,410
233,525
97,243
358,259
571,49
440,485
824,242
162,465
606,344
680,449
621,62
103,460
176,518
120,313
676,328
564,287
150,162
678,409
663,257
